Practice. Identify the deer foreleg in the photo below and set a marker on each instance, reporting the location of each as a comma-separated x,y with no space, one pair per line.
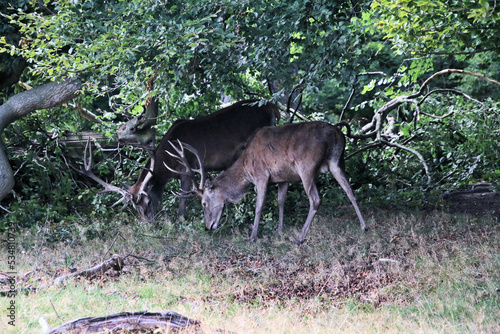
282,190
261,195
186,184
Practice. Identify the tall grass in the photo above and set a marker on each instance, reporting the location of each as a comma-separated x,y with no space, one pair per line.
421,272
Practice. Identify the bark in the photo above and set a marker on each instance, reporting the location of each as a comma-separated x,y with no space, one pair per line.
43,97
115,262
140,131
129,322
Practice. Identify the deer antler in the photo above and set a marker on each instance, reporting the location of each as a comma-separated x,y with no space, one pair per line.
181,158
87,171
150,174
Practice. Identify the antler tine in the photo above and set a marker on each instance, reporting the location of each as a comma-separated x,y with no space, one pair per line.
149,175
199,170
181,157
87,171
184,193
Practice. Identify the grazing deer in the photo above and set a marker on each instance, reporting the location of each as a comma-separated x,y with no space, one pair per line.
288,153
219,138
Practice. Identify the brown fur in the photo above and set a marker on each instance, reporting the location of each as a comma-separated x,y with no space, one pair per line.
288,153
219,138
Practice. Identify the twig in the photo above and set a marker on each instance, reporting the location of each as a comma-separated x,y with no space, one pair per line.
5,209
54,308
387,260
139,258
289,102
109,248
367,147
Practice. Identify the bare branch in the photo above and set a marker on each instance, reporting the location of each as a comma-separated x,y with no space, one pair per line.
416,153
354,90
115,262
372,129
365,148
454,91
449,71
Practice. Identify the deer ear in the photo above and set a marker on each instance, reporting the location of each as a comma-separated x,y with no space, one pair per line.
209,184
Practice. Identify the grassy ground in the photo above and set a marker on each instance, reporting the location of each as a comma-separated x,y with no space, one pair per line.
425,272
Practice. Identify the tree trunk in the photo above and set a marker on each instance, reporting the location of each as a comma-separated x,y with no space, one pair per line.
43,97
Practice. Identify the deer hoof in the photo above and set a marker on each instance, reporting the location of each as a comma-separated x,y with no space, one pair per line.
300,241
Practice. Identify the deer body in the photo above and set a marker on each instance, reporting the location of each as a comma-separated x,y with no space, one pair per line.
219,138
283,154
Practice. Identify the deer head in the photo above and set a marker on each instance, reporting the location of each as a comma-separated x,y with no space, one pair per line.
212,202
139,197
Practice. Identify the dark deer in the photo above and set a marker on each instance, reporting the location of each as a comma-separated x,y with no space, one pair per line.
287,153
219,138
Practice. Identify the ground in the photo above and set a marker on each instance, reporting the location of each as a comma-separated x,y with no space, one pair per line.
476,201
413,271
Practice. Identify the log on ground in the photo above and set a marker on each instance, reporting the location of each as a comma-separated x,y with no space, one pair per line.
129,322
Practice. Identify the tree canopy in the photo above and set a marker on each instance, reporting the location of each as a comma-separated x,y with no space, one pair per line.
236,48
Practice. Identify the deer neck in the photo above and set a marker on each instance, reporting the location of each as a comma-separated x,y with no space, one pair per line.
234,184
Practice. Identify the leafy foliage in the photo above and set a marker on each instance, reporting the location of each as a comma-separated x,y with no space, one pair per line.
345,60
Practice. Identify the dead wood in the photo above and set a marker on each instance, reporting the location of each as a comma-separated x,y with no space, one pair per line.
130,322
115,262
374,128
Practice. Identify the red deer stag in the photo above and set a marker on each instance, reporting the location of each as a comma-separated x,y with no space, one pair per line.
219,138
282,154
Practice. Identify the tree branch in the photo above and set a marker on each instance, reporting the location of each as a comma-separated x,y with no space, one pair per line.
373,128
454,91
43,97
416,153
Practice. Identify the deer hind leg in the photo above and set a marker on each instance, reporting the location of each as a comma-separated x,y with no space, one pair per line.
314,202
282,189
339,175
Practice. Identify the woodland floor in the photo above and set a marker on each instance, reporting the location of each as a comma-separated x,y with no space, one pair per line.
361,280
451,260
477,201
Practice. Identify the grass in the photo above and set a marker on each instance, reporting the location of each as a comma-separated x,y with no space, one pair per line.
420,272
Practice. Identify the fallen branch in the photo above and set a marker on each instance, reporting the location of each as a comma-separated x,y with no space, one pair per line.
127,322
416,153
115,262
372,129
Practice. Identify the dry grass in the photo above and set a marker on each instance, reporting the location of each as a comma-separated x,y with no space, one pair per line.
411,273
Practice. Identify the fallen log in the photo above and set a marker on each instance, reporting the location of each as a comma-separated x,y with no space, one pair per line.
129,322
114,262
